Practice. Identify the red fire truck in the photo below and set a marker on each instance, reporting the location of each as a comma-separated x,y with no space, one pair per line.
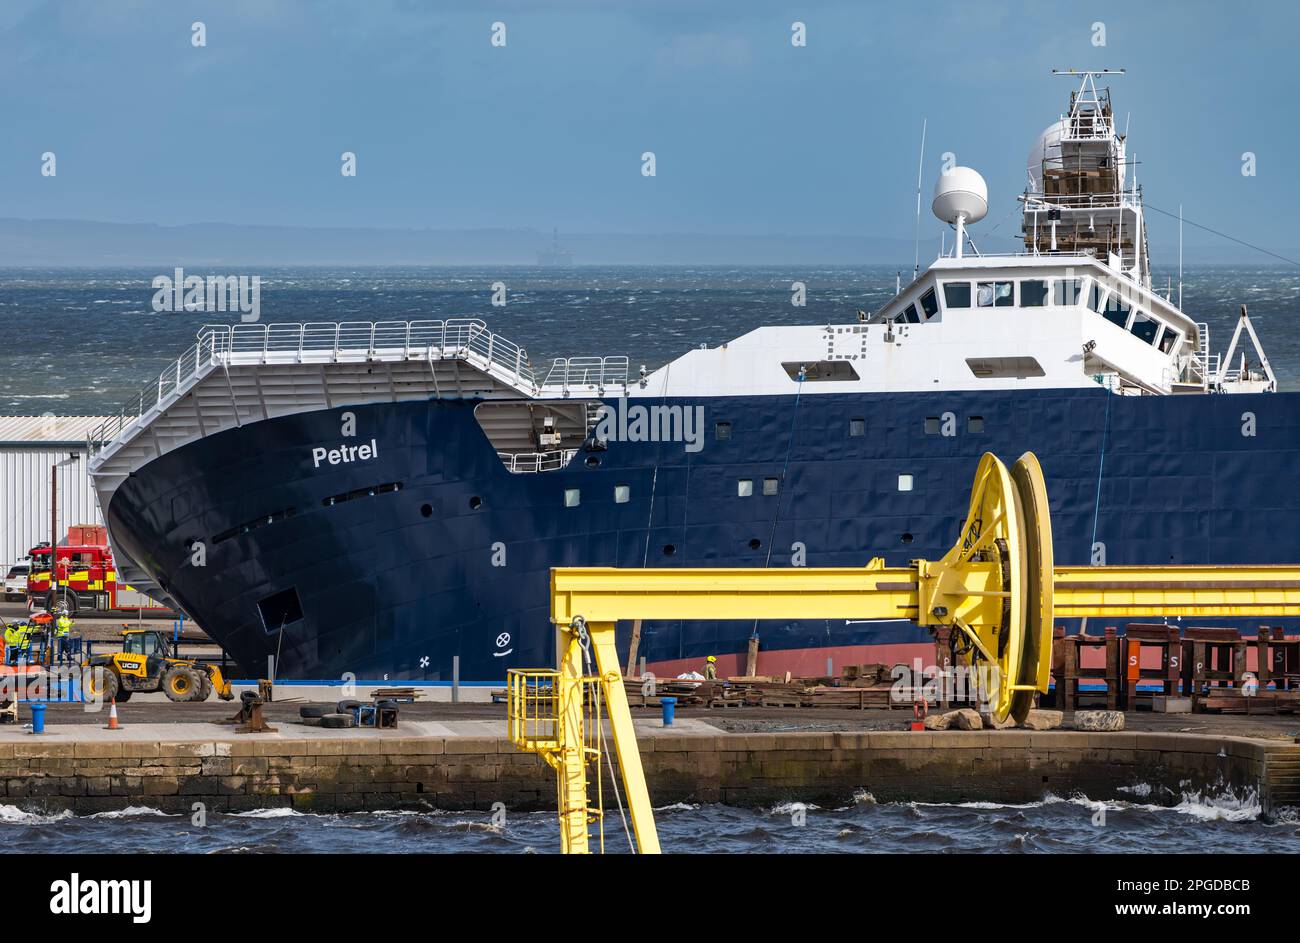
85,579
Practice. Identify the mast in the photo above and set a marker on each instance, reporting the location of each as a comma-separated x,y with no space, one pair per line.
1078,200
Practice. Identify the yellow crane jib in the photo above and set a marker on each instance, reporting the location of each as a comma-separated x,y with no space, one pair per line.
998,589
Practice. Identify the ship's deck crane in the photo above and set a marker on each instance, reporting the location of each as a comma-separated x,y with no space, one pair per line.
998,589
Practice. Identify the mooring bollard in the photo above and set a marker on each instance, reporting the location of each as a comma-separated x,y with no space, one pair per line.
38,718
669,705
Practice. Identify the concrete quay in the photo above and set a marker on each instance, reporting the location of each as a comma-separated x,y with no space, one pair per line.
443,759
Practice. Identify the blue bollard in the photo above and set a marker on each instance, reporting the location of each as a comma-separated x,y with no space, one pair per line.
38,718
669,705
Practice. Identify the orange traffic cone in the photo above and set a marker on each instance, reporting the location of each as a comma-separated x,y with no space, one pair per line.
112,717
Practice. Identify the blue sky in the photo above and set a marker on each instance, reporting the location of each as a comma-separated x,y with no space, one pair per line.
751,134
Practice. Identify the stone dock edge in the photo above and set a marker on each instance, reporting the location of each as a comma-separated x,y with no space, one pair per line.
355,773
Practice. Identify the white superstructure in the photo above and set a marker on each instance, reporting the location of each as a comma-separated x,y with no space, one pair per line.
1075,308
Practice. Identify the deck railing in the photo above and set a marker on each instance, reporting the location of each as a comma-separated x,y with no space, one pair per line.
467,338
599,372
527,462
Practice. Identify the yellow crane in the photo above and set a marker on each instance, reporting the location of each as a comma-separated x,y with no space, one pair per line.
998,589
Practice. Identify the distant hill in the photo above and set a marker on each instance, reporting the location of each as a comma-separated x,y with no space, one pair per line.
83,243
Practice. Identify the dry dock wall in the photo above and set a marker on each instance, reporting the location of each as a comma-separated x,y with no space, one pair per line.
361,772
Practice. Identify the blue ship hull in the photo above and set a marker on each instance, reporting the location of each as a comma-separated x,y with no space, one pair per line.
451,556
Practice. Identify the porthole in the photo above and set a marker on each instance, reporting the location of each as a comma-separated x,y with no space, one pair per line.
669,550
426,510
906,538
755,543
475,503
593,461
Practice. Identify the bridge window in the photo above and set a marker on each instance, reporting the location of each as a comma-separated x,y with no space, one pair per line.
956,294
995,295
908,315
1096,297
1169,340
929,304
1066,291
1145,328
1116,311
1033,293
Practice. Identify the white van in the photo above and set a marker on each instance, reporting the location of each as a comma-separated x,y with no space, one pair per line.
16,580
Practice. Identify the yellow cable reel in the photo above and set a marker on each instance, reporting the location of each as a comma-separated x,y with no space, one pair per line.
994,587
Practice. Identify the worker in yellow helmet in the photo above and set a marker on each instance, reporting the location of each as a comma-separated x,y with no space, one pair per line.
15,632
62,629
711,668
18,640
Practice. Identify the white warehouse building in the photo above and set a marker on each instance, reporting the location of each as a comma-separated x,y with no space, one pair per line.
30,446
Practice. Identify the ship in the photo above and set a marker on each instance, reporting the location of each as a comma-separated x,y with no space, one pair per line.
555,256
385,500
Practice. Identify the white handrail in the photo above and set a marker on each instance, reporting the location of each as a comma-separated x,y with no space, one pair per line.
520,463
467,338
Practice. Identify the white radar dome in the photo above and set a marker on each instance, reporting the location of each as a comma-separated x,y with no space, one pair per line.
960,192
1045,155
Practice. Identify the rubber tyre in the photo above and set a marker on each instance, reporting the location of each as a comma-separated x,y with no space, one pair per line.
310,721
205,687
316,711
180,684
56,603
337,720
345,707
123,695
112,685
386,704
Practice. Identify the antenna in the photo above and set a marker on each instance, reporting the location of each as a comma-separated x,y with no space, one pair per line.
1180,257
920,163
